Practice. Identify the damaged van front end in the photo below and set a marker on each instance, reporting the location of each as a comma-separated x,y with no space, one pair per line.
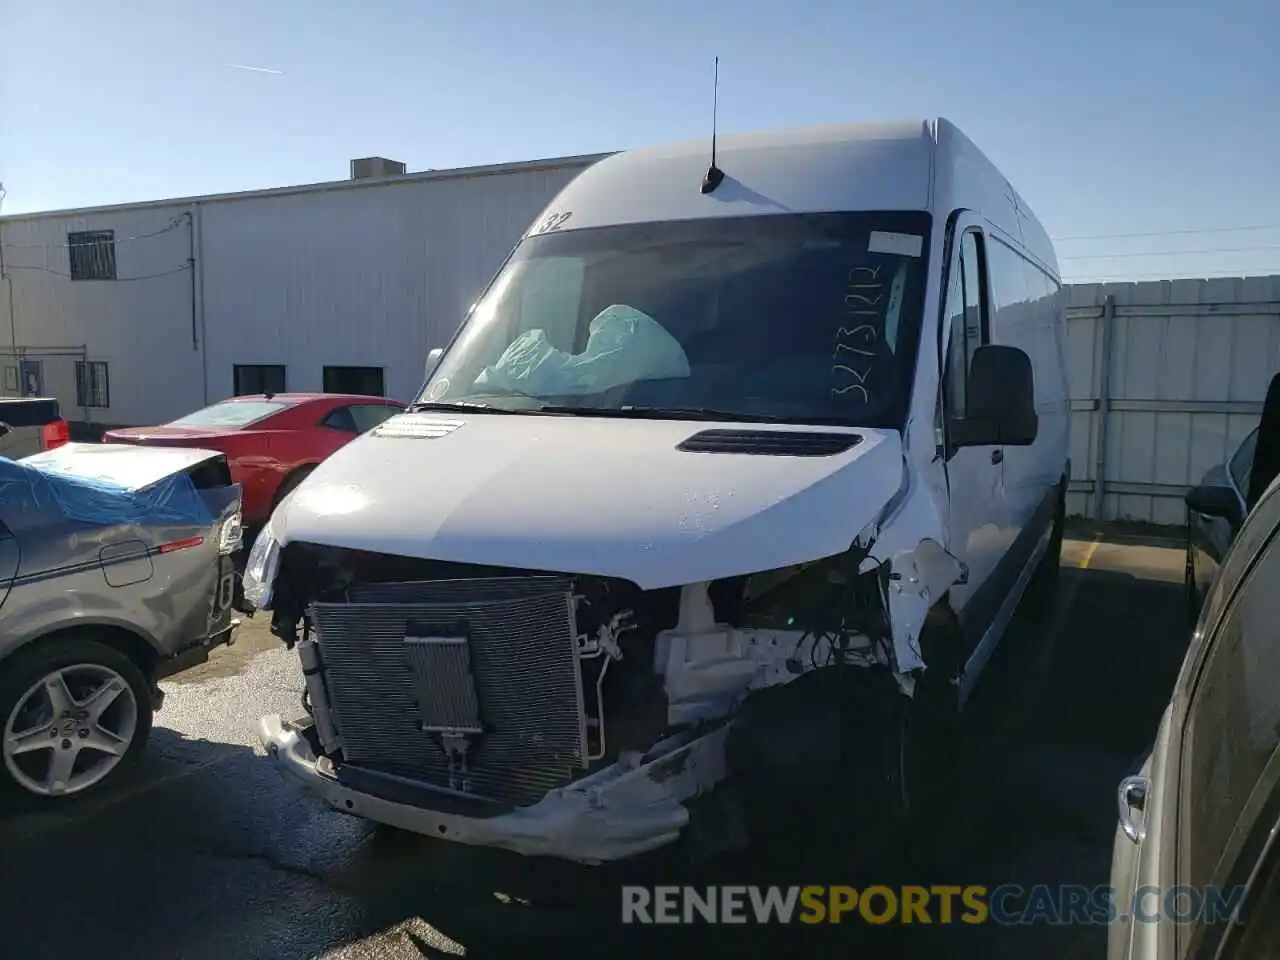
669,527
549,707
711,511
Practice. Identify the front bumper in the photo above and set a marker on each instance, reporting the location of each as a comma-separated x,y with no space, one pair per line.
626,809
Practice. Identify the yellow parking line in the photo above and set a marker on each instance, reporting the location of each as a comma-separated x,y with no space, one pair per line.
1088,555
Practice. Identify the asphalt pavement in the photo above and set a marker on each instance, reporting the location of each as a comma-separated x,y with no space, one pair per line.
206,852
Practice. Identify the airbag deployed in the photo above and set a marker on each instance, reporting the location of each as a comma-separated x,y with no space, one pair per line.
623,346
173,500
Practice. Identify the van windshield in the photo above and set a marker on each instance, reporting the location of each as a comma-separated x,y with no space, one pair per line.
809,318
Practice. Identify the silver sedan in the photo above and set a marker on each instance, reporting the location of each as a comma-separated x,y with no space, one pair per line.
115,571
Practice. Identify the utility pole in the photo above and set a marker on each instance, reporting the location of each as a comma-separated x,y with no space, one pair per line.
8,282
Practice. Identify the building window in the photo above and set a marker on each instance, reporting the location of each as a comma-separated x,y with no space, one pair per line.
93,389
254,378
32,374
93,255
11,379
364,381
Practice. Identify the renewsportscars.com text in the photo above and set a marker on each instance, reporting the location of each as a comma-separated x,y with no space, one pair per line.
1008,904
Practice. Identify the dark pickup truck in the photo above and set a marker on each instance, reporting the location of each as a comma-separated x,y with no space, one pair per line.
30,425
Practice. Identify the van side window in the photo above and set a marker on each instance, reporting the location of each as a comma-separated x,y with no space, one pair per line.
967,315
1012,287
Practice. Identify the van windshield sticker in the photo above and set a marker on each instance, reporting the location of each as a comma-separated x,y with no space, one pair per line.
893,311
552,221
899,244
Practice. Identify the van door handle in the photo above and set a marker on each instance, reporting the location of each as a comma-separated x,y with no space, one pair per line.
1132,798
997,456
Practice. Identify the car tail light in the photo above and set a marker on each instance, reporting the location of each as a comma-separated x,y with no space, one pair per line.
55,434
231,537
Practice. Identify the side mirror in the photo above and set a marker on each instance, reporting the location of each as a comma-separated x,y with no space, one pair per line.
1001,401
1213,501
4,428
433,358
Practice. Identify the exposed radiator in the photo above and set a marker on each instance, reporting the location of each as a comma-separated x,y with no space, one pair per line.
417,670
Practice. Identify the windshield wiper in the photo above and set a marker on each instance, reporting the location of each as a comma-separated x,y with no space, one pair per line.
630,413
476,402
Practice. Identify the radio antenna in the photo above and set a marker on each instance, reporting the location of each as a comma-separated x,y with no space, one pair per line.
714,175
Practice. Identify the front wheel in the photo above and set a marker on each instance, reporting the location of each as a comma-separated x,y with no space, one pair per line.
76,712
931,747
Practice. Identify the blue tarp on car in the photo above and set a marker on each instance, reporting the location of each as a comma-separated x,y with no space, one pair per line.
173,500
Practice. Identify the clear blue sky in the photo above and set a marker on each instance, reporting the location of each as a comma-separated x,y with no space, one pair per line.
1112,117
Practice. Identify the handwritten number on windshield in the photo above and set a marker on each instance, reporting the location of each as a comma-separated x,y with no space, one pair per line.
852,359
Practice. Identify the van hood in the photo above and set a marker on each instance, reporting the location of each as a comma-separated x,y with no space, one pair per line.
657,502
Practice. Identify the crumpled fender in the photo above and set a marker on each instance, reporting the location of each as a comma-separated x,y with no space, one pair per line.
921,569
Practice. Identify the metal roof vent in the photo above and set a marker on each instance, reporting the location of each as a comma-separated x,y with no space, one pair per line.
367,168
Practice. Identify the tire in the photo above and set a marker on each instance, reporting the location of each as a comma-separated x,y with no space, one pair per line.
84,667
821,769
931,747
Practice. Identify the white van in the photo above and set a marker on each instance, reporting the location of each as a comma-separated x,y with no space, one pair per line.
736,471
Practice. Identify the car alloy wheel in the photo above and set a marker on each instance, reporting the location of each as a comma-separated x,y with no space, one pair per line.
70,729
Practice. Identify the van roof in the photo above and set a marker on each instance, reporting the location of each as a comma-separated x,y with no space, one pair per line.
926,164
801,170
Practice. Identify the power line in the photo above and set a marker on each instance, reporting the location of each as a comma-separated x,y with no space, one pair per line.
1170,253
172,225
61,273
1169,233
1143,276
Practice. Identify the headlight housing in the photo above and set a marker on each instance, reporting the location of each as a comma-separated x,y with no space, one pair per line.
261,567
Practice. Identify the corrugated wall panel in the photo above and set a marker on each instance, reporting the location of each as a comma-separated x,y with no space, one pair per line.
140,324
1177,348
1083,374
370,277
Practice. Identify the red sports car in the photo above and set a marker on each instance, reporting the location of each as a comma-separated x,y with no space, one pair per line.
272,441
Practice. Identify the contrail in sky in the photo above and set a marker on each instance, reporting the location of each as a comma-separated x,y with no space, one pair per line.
242,66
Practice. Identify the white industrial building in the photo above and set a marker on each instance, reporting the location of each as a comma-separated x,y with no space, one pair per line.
139,313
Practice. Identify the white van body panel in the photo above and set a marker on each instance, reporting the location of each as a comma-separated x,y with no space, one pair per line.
805,170
613,497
